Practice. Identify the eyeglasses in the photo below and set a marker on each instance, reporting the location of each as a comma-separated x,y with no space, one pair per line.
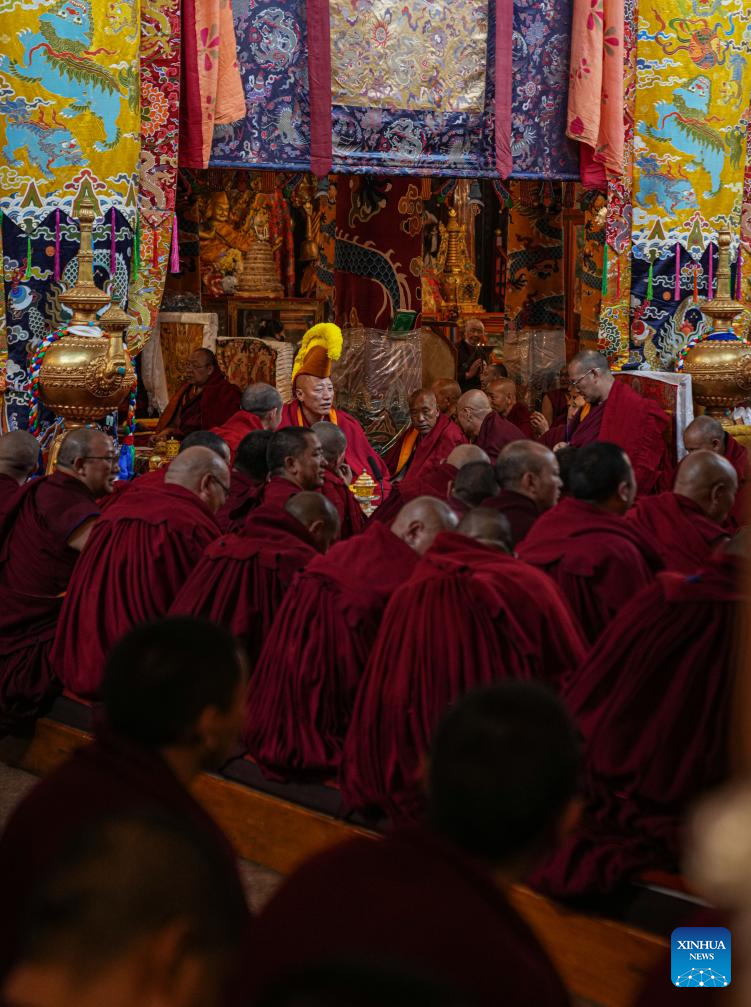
577,381
112,459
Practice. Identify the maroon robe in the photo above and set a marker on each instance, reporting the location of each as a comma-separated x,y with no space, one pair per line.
519,415
638,426
240,580
435,484
301,695
495,433
653,702
276,492
237,427
737,455
9,491
36,564
470,615
351,517
417,902
244,494
110,776
359,449
559,401
146,480
211,406
683,534
136,560
427,452
520,511
599,560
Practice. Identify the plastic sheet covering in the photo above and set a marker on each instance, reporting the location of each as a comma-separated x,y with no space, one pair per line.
374,377
533,358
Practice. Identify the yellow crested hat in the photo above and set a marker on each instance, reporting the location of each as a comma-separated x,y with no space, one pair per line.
320,346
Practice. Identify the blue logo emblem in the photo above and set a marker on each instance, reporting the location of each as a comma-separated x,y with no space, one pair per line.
700,956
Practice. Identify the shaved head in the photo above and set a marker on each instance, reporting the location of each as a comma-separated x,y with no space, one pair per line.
704,434
80,443
19,455
471,410
463,454
318,515
447,393
487,526
502,395
587,359
419,521
202,472
91,456
333,441
207,439
532,470
474,483
710,481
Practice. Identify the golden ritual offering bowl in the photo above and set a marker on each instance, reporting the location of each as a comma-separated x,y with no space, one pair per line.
364,489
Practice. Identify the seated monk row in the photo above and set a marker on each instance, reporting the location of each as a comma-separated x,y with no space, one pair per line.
470,614
312,660
654,704
43,532
139,555
707,434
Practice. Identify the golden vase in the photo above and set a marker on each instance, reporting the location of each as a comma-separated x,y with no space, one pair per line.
720,363
87,373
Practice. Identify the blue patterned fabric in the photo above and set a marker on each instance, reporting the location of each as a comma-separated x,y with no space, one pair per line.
33,308
542,40
273,56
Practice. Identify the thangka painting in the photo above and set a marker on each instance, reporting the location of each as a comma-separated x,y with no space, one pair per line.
542,41
692,96
69,114
534,282
272,51
413,87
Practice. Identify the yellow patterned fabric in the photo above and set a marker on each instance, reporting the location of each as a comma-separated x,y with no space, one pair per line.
417,56
694,77
68,105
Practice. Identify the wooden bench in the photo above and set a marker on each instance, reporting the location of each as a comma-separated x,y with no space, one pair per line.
603,961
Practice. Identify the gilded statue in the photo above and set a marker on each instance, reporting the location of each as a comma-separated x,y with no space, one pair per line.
222,241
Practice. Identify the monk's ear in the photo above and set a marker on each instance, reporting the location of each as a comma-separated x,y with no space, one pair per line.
450,490
298,394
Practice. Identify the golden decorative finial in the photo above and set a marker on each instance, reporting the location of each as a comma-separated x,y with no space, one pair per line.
723,308
84,298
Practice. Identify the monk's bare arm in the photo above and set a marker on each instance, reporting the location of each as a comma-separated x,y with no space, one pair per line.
80,536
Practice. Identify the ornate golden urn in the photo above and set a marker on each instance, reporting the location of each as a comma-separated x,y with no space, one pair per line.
88,372
719,362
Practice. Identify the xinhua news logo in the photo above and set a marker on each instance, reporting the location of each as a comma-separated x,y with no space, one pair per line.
700,956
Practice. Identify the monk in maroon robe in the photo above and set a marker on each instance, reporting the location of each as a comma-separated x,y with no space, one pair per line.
707,434
173,694
433,899
40,541
530,484
471,614
474,483
204,402
247,481
447,393
314,401
240,580
301,695
501,394
654,703
295,462
687,524
427,441
260,409
618,415
597,558
437,483
137,559
19,457
337,478
483,425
